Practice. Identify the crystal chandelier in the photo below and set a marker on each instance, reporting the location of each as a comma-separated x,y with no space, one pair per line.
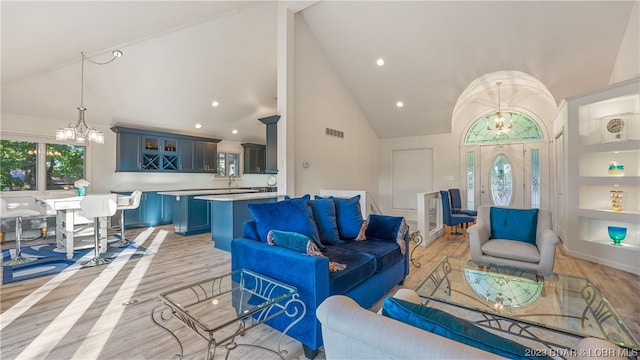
81,132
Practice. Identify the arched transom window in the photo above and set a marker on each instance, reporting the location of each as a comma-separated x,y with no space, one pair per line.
517,127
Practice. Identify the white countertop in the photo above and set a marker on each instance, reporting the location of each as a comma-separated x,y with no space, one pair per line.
236,197
207,192
172,187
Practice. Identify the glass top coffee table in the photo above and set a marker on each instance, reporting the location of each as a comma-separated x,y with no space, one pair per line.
522,303
222,308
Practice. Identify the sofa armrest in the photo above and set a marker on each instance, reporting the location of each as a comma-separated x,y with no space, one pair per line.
546,241
351,332
309,274
478,235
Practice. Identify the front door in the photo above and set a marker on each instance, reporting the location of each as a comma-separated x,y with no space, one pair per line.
502,174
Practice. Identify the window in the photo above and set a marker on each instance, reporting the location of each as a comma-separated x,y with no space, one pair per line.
501,181
19,164
228,164
64,165
522,128
470,180
535,178
24,170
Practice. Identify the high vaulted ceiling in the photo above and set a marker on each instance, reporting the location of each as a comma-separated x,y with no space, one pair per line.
179,56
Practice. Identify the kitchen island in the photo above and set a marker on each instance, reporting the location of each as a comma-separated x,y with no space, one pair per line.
229,212
192,216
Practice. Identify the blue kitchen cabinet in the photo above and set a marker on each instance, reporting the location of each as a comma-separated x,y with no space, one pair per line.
206,157
187,149
190,216
159,153
154,210
156,151
128,152
272,143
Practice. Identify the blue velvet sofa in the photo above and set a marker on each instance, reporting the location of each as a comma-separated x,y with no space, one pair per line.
373,266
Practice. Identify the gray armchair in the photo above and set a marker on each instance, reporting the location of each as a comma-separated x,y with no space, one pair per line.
540,256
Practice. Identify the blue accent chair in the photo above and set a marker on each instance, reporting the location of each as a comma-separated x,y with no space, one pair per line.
449,219
456,204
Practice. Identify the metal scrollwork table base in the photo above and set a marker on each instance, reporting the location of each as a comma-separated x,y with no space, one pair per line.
225,307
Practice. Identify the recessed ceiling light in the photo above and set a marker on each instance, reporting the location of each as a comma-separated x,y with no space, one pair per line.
399,104
215,103
234,131
198,126
380,62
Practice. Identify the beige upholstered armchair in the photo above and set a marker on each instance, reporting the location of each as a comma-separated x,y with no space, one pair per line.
495,246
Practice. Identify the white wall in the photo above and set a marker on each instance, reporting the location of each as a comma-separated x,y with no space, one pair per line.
627,64
101,160
323,101
445,166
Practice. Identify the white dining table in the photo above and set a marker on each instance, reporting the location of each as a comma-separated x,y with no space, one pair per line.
72,231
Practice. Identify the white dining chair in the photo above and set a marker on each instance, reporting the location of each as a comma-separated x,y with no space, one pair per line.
132,203
18,214
94,207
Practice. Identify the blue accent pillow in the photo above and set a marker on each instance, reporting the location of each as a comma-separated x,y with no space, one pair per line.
324,212
514,224
250,230
289,240
444,324
348,217
383,227
293,215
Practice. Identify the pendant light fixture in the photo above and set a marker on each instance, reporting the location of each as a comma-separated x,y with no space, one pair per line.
499,118
81,132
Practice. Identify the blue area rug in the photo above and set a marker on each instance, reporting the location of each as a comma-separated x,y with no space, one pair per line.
50,260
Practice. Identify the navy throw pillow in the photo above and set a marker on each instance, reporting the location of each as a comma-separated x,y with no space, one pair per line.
444,324
303,197
514,224
349,217
324,212
293,215
383,227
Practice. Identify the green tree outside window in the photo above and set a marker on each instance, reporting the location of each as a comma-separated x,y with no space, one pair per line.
64,165
18,165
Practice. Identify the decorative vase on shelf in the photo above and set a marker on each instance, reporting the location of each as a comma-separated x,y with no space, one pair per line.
82,191
616,200
616,169
617,234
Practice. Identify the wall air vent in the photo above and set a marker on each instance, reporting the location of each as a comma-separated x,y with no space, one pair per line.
336,133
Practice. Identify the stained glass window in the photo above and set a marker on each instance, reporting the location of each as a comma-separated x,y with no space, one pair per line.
535,178
501,181
470,180
518,127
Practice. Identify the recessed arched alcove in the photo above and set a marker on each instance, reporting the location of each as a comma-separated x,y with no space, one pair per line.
518,91
514,94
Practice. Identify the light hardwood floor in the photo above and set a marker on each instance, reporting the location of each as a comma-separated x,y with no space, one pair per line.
85,315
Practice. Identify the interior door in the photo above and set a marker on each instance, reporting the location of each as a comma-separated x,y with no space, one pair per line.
502,175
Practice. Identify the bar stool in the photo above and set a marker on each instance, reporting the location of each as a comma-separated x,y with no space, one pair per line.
18,214
97,206
133,203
